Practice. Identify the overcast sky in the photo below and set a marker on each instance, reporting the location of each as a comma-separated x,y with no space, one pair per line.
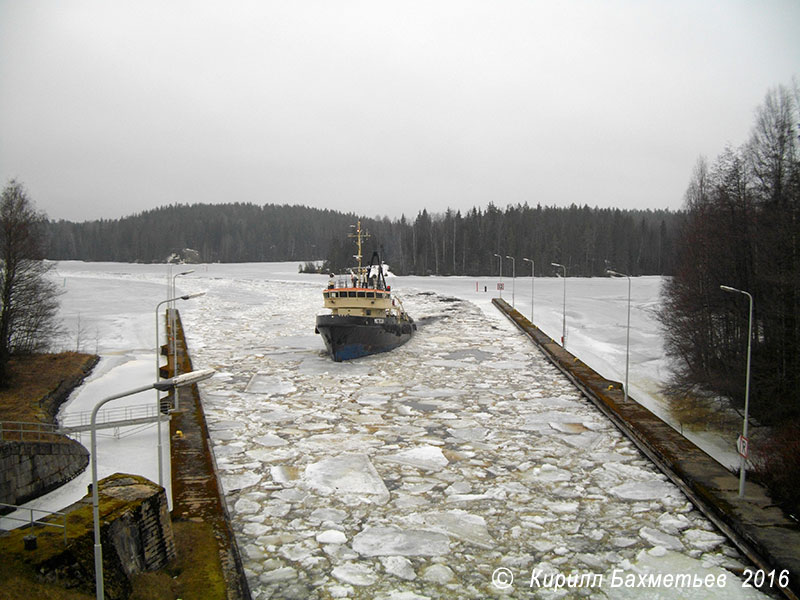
108,108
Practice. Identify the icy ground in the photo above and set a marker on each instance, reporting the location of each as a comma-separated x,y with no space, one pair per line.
412,474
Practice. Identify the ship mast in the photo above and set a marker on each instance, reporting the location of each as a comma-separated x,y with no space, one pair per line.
359,235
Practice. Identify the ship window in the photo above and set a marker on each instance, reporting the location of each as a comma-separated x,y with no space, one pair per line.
370,294
326,294
369,312
351,294
362,294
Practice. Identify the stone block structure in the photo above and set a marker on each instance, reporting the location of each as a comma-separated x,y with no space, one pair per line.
30,469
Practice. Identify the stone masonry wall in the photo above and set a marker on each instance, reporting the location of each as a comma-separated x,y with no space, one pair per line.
30,469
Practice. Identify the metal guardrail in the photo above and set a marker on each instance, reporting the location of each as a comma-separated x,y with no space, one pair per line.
23,431
33,521
111,418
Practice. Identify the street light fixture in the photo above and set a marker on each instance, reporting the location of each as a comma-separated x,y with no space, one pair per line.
166,385
501,273
743,442
532,269
564,310
158,376
513,279
628,334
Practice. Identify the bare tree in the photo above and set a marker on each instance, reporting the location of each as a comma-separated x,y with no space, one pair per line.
28,299
742,230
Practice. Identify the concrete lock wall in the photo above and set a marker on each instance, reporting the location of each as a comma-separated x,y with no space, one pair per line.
30,469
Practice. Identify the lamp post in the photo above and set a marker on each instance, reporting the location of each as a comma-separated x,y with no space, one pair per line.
158,376
532,269
173,321
628,334
743,447
564,309
513,280
501,273
166,385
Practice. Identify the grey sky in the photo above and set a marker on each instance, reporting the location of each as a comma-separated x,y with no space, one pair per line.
109,108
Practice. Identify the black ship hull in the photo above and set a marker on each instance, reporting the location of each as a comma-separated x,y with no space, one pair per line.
347,336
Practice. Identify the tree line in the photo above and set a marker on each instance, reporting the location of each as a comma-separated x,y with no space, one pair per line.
234,232
586,240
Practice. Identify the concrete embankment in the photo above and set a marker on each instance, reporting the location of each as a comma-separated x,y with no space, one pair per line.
196,492
767,536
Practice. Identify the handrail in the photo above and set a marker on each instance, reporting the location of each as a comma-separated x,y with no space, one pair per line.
33,522
27,431
122,413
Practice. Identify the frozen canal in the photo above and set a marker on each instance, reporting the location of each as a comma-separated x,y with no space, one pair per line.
439,470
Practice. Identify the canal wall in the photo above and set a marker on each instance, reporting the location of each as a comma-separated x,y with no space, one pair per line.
197,495
761,531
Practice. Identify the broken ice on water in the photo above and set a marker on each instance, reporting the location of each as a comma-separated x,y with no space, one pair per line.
416,473
349,475
264,383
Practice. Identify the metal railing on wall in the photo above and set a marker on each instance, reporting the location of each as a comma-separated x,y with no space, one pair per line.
31,521
23,431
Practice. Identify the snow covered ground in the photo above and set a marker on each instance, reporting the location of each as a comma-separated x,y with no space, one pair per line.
437,470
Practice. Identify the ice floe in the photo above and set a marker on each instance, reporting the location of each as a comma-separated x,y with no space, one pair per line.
426,457
264,383
643,490
393,541
348,475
